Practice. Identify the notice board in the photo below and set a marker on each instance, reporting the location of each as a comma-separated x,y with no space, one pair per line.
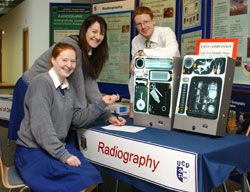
66,19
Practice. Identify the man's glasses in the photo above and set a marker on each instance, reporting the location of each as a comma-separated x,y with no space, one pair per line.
144,23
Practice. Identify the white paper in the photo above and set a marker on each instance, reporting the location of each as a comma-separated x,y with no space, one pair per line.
125,128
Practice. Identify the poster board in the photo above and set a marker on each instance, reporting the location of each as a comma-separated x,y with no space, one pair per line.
194,24
66,19
115,74
230,19
188,42
191,14
165,12
116,69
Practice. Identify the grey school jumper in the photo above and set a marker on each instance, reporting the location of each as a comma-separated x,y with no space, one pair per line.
85,87
49,114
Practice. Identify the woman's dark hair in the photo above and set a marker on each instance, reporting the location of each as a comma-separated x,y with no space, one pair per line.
93,64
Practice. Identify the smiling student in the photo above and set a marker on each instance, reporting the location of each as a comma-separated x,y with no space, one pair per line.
92,53
42,157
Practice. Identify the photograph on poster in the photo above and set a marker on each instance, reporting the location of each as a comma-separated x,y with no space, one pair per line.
238,7
239,115
248,47
168,12
125,28
196,6
244,122
192,12
238,61
164,11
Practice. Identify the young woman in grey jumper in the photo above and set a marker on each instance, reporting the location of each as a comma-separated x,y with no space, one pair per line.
44,160
92,52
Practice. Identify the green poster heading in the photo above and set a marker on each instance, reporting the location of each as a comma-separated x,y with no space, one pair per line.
66,19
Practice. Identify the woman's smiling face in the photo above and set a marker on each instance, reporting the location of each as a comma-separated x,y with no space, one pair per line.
64,64
94,35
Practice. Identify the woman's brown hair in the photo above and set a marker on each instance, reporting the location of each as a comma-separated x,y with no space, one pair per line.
93,64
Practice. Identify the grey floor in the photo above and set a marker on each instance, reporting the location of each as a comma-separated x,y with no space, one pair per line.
109,184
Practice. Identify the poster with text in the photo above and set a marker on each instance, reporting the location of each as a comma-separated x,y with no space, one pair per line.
164,12
191,14
188,42
231,20
116,69
66,19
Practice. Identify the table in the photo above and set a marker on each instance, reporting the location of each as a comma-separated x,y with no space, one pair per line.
5,108
217,156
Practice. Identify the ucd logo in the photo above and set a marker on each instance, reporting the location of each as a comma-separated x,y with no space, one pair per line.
182,171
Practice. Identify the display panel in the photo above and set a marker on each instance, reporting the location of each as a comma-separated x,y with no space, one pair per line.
156,84
204,94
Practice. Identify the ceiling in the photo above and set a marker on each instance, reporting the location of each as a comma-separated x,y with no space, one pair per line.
7,5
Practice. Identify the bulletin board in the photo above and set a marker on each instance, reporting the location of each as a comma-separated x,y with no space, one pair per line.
165,12
231,20
66,19
115,74
194,24
116,69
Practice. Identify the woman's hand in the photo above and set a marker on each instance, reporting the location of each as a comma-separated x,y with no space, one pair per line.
110,99
73,161
118,121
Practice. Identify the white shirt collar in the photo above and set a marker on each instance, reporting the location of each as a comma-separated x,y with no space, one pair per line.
64,85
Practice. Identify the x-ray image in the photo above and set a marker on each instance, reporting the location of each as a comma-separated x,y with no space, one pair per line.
204,94
140,104
159,98
156,86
